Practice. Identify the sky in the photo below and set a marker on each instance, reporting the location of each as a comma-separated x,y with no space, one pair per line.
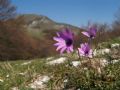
75,12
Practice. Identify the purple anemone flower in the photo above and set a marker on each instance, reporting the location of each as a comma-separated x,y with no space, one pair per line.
91,33
64,41
85,50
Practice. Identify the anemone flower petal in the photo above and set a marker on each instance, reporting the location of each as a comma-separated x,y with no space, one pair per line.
71,48
86,34
80,51
83,47
56,38
58,34
56,44
59,44
93,30
68,50
90,52
59,47
62,50
90,56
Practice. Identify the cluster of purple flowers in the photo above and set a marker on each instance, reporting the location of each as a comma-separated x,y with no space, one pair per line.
65,42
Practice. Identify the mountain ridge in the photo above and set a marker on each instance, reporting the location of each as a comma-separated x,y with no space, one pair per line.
41,22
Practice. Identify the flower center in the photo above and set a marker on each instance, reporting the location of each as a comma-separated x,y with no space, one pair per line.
91,35
86,52
69,42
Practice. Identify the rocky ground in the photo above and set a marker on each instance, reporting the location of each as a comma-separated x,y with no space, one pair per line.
37,74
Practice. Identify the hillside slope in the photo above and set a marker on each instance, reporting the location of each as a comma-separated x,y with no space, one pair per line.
37,24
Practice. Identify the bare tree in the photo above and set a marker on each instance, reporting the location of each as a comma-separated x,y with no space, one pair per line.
7,10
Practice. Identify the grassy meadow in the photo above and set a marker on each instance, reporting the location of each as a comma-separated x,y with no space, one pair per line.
19,74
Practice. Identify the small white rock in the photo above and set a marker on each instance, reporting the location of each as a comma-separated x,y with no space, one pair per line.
57,61
115,61
7,75
14,88
39,82
105,51
22,73
49,58
1,80
45,79
85,68
65,81
26,63
101,52
104,62
115,45
76,63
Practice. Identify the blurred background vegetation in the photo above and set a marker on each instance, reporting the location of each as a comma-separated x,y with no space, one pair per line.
30,36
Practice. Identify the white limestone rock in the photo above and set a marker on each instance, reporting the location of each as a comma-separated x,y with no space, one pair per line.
57,61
